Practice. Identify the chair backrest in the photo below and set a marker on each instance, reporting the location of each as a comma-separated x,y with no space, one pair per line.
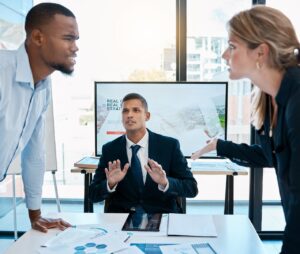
50,146
106,205
181,202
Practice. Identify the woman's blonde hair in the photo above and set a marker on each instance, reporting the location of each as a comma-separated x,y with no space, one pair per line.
262,24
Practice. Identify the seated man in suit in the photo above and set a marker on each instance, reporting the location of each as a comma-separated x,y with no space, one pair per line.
156,175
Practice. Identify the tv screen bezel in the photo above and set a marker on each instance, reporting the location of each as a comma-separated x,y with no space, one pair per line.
157,83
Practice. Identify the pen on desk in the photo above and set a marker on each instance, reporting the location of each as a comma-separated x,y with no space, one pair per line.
127,238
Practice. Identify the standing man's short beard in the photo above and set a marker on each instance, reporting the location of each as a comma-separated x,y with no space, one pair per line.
62,68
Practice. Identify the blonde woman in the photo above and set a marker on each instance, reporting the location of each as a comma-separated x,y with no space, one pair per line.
263,47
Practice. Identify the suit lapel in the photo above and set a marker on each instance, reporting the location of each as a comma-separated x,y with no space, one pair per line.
122,151
151,154
151,145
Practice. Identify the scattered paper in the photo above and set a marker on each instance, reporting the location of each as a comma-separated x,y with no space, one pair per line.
197,248
130,250
74,240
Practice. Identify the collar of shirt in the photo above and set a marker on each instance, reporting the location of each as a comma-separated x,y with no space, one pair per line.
143,142
24,73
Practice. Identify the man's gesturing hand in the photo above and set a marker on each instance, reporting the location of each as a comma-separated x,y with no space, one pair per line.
157,173
114,174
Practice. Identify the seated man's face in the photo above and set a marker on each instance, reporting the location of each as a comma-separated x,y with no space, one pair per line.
134,116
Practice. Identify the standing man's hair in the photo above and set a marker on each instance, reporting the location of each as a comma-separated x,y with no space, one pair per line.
42,14
136,96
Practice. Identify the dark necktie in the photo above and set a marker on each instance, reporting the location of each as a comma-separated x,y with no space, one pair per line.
136,167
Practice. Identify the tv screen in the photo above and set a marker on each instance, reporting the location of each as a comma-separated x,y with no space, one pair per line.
192,112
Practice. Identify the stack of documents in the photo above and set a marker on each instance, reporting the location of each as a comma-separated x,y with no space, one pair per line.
87,162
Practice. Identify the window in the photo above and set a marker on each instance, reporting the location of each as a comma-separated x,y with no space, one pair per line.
115,45
206,41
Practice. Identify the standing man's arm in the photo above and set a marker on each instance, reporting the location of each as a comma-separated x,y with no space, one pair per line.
33,168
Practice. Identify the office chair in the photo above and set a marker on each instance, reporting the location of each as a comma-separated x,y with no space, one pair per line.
181,202
107,202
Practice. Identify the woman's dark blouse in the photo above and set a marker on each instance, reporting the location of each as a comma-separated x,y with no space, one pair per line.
284,155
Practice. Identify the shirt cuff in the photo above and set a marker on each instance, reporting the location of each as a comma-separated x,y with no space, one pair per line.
33,203
109,189
161,188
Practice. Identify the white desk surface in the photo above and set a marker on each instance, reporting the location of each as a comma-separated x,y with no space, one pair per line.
223,167
235,233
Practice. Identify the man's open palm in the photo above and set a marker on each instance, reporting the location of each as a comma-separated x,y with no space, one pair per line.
114,173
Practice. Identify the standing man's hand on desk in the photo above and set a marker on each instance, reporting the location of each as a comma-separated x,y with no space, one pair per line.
114,174
210,146
43,224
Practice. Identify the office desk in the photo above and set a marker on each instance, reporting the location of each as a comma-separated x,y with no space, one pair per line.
229,172
88,177
235,233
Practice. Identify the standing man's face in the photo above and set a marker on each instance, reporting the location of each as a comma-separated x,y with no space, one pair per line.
59,47
134,116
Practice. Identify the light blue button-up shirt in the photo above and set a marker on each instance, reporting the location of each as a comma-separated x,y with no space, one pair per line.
22,121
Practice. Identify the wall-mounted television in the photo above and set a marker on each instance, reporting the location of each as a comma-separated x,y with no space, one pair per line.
192,112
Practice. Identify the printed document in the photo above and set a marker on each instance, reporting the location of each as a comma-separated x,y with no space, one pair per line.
76,240
197,248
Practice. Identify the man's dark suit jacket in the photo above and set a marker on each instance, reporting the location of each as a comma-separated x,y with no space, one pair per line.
166,152
282,152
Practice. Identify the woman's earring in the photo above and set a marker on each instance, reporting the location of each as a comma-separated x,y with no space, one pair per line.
257,66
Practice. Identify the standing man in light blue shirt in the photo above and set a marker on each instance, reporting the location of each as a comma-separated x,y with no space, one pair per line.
25,93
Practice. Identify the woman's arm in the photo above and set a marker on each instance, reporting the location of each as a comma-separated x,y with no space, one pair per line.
242,154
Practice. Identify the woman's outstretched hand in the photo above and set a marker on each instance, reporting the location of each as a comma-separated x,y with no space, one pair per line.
210,146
